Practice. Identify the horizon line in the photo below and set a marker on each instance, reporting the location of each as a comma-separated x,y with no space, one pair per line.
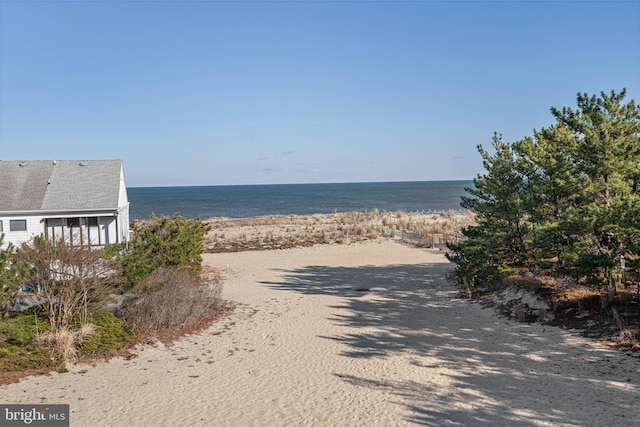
297,183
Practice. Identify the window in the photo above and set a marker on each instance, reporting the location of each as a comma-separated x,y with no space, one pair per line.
92,221
18,225
55,222
73,222
0,226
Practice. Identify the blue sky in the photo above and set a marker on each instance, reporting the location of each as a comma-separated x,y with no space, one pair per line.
217,93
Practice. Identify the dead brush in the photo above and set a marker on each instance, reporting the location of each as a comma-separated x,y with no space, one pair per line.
170,300
211,275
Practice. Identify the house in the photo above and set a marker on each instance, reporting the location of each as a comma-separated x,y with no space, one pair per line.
83,202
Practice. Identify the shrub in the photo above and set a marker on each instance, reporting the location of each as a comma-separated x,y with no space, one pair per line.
22,329
111,334
74,280
12,275
166,241
171,298
19,351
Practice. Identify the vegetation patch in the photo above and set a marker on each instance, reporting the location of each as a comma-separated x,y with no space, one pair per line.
20,354
563,204
291,231
171,299
162,269
110,337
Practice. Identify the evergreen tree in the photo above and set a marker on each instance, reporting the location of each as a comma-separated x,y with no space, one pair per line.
497,244
567,198
605,213
548,163
13,274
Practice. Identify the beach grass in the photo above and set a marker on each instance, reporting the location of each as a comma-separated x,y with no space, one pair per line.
287,231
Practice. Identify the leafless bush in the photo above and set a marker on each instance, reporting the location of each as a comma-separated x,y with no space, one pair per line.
70,280
171,299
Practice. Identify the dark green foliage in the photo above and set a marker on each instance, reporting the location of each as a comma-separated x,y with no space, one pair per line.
165,241
497,242
567,199
111,334
13,274
18,348
22,328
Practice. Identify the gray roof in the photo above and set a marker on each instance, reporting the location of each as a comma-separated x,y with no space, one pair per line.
62,185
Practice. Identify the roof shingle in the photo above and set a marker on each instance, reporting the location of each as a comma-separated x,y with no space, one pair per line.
48,185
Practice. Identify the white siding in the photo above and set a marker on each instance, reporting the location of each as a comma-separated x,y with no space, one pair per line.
123,211
110,229
35,227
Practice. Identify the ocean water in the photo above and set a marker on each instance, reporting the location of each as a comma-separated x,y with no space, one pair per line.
241,201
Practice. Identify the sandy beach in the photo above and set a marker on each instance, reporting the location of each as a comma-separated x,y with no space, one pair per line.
366,334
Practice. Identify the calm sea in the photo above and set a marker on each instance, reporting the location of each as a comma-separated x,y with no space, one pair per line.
241,201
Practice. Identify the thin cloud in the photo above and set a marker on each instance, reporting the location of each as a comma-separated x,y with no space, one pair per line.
269,171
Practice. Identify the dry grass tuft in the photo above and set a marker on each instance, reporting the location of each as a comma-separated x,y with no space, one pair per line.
65,343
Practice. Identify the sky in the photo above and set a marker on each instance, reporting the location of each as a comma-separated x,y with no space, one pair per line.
269,92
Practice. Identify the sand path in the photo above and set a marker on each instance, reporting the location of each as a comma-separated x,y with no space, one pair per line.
308,346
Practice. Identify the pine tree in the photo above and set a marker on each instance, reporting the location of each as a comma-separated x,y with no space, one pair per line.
497,243
605,212
567,198
13,275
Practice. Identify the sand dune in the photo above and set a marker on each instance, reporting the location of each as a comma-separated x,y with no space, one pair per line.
369,334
